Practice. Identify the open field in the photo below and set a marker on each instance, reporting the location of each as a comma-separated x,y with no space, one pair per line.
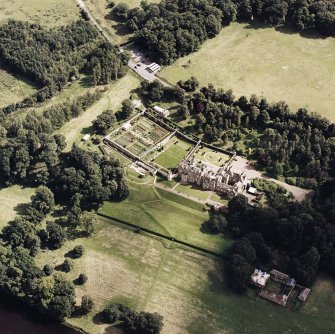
112,99
12,199
166,213
13,88
50,13
101,13
278,66
186,288
174,154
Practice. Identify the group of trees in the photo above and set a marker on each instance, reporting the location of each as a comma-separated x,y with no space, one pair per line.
132,321
20,278
53,58
297,238
298,146
28,147
172,29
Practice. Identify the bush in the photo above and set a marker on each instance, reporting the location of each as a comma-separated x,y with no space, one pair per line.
48,270
78,251
82,279
67,265
86,304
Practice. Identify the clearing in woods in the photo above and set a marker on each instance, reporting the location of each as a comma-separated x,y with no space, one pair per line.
188,289
100,11
111,99
269,63
12,200
14,88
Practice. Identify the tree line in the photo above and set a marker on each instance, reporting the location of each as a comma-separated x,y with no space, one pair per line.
54,58
171,29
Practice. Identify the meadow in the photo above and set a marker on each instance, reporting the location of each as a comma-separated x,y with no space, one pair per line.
12,201
168,214
269,63
49,13
188,289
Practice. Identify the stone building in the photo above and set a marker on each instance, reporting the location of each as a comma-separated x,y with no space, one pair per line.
222,180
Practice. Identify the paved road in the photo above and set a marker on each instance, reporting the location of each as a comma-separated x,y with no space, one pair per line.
241,164
140,70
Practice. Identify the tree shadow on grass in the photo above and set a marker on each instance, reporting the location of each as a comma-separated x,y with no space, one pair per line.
206,228
98,318
21,209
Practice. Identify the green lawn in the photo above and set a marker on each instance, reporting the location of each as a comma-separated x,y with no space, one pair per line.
50,13
278,66
194,191
174,154
166,213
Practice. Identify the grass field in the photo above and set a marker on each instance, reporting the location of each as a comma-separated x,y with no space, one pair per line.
279,66
14,88
112,99
12,200
215,158
166,213
174,154
194,191
102,14
188,289
50,13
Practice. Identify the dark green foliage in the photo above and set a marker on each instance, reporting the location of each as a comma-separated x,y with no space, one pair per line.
126,109
189,85
171,29
30,149
48,270
217,222
56,235
82,279
67,265
239,271
96,178
134,322
120,11
297,146
104,122
298,238
78,251
53,58
86,304
43,200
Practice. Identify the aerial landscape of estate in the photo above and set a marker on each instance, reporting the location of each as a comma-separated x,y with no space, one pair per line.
167,166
